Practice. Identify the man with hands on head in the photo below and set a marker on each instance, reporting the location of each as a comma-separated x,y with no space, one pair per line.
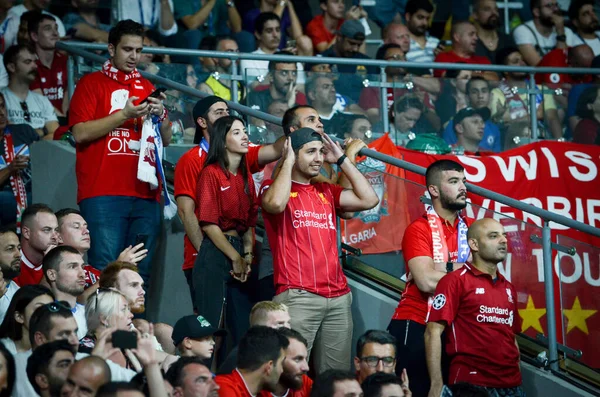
300,223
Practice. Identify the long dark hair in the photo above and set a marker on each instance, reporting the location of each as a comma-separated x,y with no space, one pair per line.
10,328
10,371
217,154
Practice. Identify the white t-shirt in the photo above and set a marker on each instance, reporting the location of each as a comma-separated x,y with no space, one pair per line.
593,43
24,389
253,68
14,16
10,345
11,288
79,314
39,107
151,16
527,33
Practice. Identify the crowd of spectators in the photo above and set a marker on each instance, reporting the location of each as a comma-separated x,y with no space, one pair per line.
74,283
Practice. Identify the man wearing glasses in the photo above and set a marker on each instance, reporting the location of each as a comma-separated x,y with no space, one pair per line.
544,33
375,352
25,106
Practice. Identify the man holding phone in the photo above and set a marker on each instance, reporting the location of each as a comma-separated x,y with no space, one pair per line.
106,115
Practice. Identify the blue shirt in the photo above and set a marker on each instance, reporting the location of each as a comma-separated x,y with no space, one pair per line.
490,141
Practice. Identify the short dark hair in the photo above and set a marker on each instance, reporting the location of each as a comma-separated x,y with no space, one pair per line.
408,102
476,78
11,228
588,96
373,384
535,4
61,213
34,209
176,372
110,389
259,346
293,334
53,258
124,28
324,385
374,336
208,43
40,358
34,23
290,118
10,327
10,56
41,319
413,6
435,169
576,6
349,122
503,54
263,18
273,64
383,49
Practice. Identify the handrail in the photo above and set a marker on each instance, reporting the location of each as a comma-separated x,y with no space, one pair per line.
546,216
335,61
531,209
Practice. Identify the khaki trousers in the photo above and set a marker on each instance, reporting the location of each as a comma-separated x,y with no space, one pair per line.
326,323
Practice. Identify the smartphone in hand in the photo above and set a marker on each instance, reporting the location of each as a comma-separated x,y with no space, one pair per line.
155,94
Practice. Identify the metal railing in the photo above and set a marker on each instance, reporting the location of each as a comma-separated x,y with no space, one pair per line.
532,89
78,50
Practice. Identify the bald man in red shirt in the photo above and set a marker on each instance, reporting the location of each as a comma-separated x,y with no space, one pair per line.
477,307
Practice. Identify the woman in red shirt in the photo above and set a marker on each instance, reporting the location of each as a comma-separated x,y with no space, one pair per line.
588,108
227,211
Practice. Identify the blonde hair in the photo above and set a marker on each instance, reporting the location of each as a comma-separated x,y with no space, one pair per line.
260,312
101,306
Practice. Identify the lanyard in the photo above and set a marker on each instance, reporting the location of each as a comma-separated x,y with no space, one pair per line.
151,22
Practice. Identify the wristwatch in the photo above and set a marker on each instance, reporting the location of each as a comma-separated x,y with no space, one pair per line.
561,37
230,4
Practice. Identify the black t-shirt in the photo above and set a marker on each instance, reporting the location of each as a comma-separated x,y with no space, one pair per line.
23,134
504,41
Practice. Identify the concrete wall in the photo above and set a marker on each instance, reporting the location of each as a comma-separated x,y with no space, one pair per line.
55,184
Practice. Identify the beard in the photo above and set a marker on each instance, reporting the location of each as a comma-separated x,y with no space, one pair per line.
289,381
492,23
547,21
138,309
452,205
591,28
13,270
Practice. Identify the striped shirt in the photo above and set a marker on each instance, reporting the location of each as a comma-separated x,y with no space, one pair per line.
303,239
418,54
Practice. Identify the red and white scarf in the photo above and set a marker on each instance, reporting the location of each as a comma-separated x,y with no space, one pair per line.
124,78
16,181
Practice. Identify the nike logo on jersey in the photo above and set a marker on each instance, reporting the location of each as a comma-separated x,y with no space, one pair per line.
223,188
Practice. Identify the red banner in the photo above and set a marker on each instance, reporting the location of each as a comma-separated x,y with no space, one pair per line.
380,229
559,177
